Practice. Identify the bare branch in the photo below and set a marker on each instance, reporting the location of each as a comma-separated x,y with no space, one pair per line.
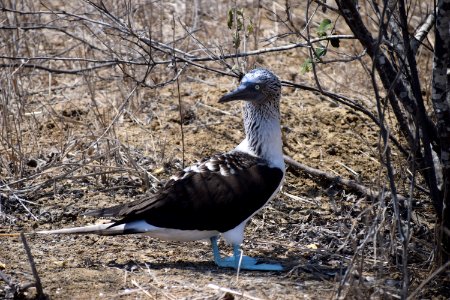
39,289
350,184
57,71
422,32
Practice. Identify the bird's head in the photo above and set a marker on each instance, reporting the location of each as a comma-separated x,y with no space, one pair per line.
258,85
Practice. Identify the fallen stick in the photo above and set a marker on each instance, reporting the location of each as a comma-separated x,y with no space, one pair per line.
233,292
351,184
39,289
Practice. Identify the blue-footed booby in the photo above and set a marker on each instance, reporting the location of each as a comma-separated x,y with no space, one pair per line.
218,195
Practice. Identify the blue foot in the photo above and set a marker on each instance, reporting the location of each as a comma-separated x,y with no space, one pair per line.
241,262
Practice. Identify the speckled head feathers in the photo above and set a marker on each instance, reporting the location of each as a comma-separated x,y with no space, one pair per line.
268,83
260,75
258,85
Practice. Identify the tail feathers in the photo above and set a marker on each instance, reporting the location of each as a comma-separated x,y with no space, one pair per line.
100,229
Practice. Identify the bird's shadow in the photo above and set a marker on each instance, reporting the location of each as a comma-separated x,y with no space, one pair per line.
312,269
198,266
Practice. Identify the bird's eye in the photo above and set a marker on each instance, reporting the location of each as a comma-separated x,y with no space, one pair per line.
257,87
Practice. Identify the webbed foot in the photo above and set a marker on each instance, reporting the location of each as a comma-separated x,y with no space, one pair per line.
242,262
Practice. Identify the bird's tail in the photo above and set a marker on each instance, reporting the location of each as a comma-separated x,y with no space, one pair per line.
101,229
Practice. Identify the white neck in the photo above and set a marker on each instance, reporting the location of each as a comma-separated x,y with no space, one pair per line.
263,133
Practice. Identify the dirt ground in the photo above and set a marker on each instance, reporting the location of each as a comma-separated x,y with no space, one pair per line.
314,227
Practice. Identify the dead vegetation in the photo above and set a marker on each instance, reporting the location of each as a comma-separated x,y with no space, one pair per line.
99,102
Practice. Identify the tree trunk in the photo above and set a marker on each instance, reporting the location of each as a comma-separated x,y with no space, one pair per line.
441,105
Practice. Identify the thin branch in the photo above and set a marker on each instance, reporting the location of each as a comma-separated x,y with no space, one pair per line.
55,58
326,6
180,108
57,71
39,289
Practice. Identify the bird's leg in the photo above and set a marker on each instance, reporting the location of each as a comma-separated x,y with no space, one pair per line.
217,258
226,262
239,261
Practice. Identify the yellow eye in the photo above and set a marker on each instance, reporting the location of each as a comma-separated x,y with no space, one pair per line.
257,87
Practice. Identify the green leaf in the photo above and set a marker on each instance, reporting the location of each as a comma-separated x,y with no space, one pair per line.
324,26
306,66
320,51
230,18
250,28
335,43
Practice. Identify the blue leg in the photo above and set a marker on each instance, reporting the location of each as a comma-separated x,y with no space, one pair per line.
226,262
242,262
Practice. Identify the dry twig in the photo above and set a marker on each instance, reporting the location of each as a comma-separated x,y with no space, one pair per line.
351,184
37,279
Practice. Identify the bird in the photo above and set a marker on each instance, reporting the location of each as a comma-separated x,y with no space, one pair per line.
217,195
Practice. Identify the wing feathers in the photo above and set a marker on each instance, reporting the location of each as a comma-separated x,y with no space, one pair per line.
122,209
216,194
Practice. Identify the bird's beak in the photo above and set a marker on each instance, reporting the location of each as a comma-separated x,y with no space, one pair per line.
243,92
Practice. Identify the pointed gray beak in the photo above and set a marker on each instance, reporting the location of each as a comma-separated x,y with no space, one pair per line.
243,92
